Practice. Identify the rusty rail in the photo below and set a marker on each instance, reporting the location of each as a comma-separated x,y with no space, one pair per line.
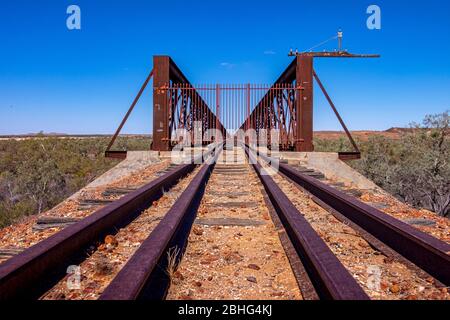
144,276
424,250
32,272
329,277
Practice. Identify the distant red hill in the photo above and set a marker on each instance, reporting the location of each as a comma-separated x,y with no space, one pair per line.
393,133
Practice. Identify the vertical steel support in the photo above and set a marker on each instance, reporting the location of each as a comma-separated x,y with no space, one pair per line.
304,78
161,79
247,117
218,108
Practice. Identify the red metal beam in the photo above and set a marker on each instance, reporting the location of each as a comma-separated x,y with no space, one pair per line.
304,77
168,77
161,79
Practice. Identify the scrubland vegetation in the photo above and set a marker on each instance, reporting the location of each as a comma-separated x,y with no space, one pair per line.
414,168
36,174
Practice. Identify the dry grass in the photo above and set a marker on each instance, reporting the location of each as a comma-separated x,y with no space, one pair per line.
172,257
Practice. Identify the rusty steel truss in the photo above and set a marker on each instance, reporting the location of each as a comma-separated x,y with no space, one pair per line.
186,114
176,103
231,105
271,111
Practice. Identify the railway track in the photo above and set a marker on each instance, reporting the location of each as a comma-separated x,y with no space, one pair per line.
195,221
122,180
425,251
234,251
31,273
145,275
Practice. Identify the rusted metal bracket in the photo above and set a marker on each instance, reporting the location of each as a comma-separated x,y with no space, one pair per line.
342,155
123,154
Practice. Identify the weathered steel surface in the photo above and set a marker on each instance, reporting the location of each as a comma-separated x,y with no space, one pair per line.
330,278
177,105
424,250
116,154
161,112
300,103
346,156
301,275
304,103
141,277
32,272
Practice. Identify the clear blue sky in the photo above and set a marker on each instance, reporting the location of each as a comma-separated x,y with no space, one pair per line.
83,81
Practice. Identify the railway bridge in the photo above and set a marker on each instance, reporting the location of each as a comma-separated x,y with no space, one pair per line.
189,114
255,213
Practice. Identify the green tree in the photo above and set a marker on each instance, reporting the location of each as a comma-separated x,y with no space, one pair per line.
422,175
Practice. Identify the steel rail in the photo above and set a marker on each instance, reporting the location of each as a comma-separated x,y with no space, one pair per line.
422,249
34,271
142,278
330,278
